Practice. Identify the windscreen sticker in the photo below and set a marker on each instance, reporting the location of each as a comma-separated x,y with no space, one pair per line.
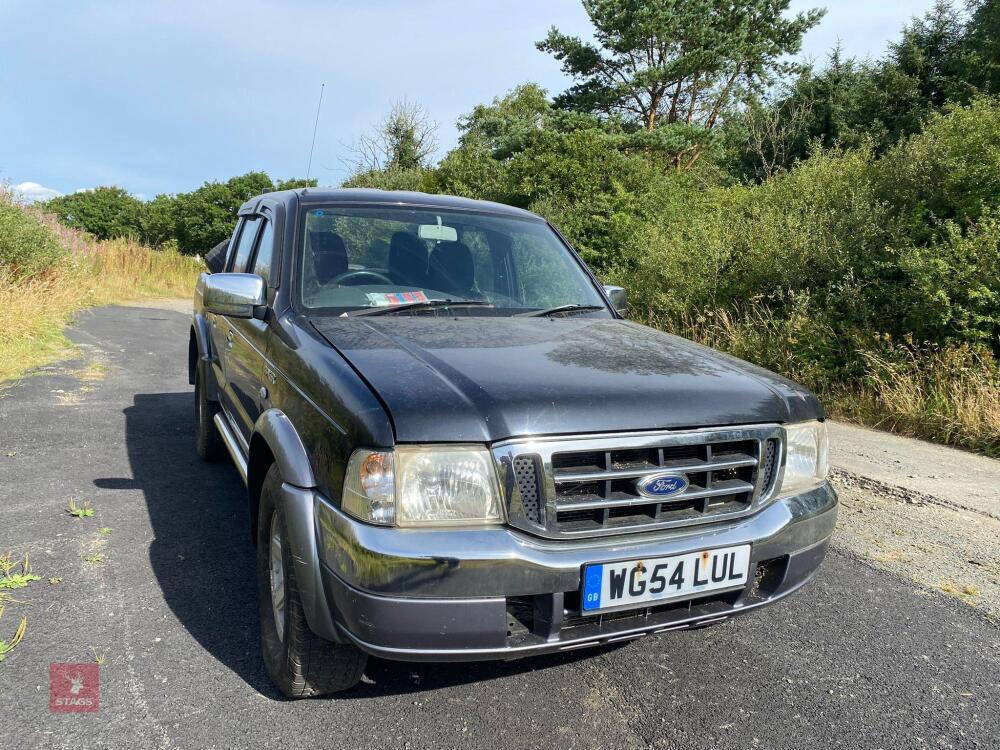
380,299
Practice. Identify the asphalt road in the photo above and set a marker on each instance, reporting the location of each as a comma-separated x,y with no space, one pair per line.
861,658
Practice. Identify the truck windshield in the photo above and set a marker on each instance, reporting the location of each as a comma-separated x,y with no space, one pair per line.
366,257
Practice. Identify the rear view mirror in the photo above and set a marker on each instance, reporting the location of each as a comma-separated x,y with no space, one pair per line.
234,294
618,298
437,233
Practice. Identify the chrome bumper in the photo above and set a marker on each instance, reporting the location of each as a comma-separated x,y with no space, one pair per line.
448,594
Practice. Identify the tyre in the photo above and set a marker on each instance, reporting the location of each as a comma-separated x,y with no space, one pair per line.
208,442
298,661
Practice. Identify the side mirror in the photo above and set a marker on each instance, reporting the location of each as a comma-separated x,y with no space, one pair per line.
234,294
618,298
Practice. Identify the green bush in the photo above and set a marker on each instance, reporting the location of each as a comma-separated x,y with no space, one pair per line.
191,222
471,171
950,288
806,230
949,171
105,212
940,271
391,179
158,222
27,246
206,216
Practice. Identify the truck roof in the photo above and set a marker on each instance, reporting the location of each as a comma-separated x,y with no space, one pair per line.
325,196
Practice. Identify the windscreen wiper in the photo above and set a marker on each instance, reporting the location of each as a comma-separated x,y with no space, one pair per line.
560,309
430,304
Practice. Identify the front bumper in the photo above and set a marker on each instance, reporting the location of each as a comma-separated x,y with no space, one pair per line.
498,593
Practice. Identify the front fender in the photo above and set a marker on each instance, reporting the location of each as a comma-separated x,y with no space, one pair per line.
276,430
200,355
276,439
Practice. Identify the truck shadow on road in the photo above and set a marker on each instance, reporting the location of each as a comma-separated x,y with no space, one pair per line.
203,558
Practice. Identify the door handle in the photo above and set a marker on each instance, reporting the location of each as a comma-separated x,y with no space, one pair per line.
229,340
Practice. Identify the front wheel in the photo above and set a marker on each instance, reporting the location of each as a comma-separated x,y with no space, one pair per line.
299,662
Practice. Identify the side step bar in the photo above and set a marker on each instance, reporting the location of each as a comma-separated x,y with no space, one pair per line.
229,439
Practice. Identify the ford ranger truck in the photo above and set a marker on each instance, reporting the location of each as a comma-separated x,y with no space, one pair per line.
456,447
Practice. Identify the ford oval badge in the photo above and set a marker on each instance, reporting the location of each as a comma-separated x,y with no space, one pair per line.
661,485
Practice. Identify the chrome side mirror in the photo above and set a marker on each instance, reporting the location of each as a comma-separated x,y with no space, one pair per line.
618,298
234,294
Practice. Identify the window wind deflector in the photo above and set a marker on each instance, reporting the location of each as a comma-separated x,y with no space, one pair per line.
560,309
430,304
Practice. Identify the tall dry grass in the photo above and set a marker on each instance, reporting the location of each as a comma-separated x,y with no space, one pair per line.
950,395
35,308
947,394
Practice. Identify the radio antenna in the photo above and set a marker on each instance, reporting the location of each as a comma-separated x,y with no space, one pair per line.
315,126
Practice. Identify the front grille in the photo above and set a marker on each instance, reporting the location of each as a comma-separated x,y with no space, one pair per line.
769,465
526,476
589,486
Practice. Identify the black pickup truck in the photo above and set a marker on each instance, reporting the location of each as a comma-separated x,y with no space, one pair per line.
456,447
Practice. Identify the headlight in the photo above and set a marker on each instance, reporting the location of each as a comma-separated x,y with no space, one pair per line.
434,485
807,451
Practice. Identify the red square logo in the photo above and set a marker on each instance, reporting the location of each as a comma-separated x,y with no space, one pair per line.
74,688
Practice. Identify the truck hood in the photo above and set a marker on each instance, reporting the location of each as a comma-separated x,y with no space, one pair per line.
483,379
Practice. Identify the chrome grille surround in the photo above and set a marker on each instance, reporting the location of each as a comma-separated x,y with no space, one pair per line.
586,485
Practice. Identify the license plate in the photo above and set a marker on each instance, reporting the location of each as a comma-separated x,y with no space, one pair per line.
636,582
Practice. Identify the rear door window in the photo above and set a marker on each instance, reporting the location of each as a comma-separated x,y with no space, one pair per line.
244,246
265,252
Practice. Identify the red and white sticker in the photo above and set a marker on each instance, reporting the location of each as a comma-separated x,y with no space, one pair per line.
387,299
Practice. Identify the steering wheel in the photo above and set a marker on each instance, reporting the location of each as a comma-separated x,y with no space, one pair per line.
350,276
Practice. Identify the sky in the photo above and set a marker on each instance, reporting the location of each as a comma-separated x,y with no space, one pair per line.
158,96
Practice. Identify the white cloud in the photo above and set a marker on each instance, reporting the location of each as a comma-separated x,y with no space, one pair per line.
30,192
